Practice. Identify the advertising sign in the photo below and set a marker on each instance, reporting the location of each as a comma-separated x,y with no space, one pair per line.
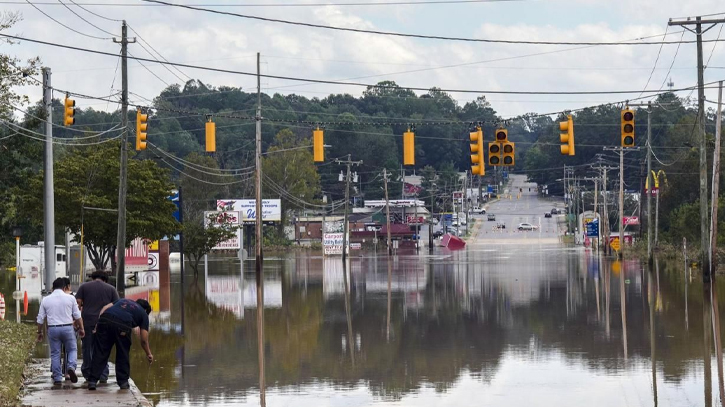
137,256
217,218
414,220
332,237
592,228
271,209
631,220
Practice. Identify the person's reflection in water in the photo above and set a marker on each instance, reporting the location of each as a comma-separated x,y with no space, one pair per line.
707,335
652,295
718,343
350,341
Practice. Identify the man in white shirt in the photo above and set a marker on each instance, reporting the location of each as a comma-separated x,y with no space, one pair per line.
62,313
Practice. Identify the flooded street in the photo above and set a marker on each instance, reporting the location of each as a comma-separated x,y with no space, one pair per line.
495,325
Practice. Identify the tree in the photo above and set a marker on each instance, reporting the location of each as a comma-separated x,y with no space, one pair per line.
86,194
201,238
289,172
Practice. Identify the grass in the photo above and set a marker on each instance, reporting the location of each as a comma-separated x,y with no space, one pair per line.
16,343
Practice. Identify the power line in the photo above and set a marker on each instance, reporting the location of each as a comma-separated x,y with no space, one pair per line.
88,22
405,35
391,3
69,28
358,84
159,54
89,11
657,59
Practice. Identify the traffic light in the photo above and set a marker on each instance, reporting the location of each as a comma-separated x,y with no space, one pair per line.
627,128
141,126
69,112
502,135
477,163
494,154
567,136
210,136
408,148
508,149
318,145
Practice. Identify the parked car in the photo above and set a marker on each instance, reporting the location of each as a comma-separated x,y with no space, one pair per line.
527,226
547,215
554,211
491,217
480,211
500,225
437,234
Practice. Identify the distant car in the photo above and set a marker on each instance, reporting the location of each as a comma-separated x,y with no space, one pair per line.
554,211
527,226
437,234
463,222
500,225
480,211
491,217
547,215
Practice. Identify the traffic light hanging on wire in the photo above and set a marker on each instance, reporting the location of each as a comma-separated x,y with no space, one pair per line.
494,154
627,128
502,135
69,111
408,148
477,161
318,145
567,136
509,150
141,126
210,136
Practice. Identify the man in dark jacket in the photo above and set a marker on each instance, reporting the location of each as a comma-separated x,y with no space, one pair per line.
92,297
114,328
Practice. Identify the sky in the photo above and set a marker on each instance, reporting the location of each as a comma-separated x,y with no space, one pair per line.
219,41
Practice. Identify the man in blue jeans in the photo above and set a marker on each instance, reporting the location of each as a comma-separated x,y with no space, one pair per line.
62,313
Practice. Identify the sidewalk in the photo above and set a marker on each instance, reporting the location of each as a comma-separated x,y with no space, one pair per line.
40,392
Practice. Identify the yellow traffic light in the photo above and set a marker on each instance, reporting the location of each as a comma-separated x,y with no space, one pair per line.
318,145
69,112
502,135
627,128
210,136
567,136
494,154
408,148
477,162
508,149
141,127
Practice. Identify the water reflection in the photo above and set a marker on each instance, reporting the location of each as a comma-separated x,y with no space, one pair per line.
498,325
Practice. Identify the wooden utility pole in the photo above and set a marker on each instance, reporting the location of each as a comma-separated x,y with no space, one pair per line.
715,184
259,259
704,231
387,210
346,226
123,177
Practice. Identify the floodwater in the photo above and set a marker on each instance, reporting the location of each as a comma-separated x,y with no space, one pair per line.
514,325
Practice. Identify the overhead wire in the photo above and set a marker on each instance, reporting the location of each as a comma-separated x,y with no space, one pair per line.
95,14
398,34
88,22
64,25
657,59
55,140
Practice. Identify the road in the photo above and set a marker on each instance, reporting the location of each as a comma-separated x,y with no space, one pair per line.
522,207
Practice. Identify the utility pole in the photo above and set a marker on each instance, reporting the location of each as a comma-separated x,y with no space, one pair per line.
704,233
596,212
606,212
387,210
123,177
345,225
48,188
430,223
715,184
259,259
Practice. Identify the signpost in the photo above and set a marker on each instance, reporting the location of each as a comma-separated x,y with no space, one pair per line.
592,228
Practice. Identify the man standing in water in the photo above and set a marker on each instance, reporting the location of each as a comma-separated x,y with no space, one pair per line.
114,328
92,297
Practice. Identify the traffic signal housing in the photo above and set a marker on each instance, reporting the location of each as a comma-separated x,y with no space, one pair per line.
318,145
509,150
210,136
494,154
627,128
567,136
69,111
408,148
502,135
141,126
477,161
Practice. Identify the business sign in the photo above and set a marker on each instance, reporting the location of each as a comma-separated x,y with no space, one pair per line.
592,228
332,237
247,208
137,255
414,220
631,220
218,218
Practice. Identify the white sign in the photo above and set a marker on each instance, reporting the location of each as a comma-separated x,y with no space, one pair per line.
217,218
332,242
247,208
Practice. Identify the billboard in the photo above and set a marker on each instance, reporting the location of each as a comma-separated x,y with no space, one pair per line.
332,237
216,218
271,209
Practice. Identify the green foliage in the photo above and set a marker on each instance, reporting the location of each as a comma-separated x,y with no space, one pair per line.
87,177
201,237
16,343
